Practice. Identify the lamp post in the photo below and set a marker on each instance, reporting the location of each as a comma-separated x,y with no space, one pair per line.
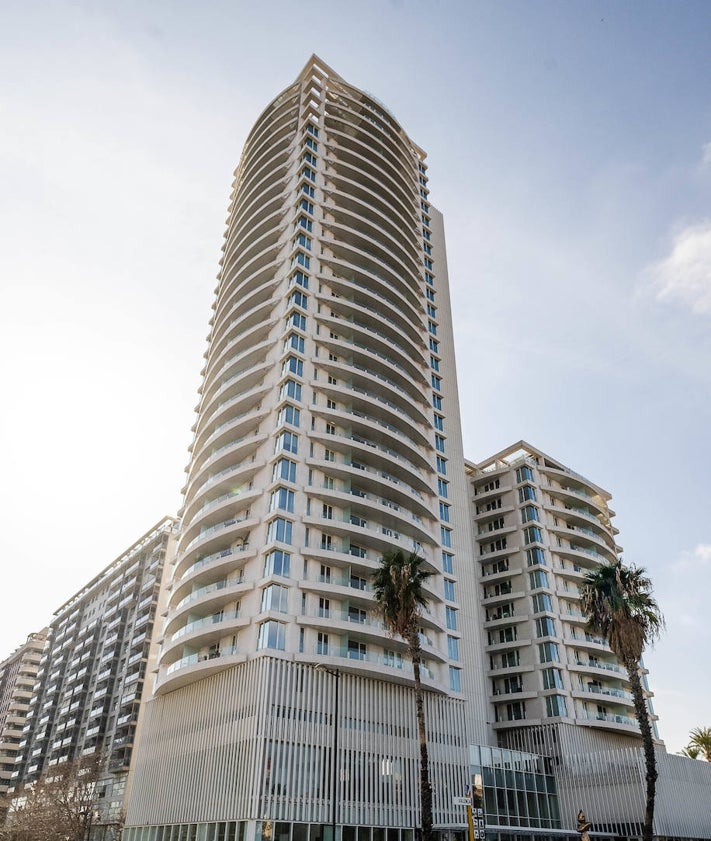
336,674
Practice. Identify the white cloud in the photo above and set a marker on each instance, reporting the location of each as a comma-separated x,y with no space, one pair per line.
700,556
685,274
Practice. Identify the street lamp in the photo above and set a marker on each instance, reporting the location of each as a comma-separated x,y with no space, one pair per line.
335,673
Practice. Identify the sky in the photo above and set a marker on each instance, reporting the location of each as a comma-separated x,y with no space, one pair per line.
569,148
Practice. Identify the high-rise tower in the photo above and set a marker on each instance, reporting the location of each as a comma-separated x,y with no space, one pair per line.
327,433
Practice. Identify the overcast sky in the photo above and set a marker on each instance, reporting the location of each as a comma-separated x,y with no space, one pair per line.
570,152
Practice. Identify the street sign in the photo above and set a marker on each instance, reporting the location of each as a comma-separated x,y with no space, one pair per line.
461,801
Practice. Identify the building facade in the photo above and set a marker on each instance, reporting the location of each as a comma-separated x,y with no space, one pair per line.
86,697
539,527
18,673
327,434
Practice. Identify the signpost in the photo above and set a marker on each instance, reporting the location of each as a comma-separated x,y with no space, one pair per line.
475,812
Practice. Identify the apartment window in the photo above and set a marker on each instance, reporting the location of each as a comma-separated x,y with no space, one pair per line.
455,679
442,465
448,562
526,493
449,590
437,401
297,320
295,342
444,512
332,380
430,294
306,205
429,278
524,474
439,443
392,659
357,614
308,190
513,712
538,578
331,404
530,513
431,311
293,365
443,487
325,575
541,603
434,345
329,455
279,530
453,648
324,608
432,327
312,144
434,363
327,511
277,562
303,241
309,173
272,635
555,706
322,643
532,535
289,414
552,678
357,650
446,536
548,652
284,469
282,499
311,128
291,389
275,597
300,259
428,263
298,299
451,617
356,582
545,627
535,556
510,659
288,441
309,158
439,423
330,429
305,223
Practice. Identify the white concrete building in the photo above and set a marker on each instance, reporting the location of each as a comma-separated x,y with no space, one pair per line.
539,528
327,433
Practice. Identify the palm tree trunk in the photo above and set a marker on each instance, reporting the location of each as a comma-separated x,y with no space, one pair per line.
642,714
426,817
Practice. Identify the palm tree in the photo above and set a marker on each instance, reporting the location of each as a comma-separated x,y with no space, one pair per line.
401,599
690,751
700,741
618,603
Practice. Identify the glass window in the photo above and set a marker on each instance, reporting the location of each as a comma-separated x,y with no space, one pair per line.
455,679
552,679
448,562
439,443
279,530
524,474
289,414
532,535
295,342
535,556
298,299
434,363
432,327
538,578
451,616
541,602
449,590
439,422
275,597
293,365
272,635
453,648
446,535
545,627
284,469
443,487
282,499
291,389
442,465
288,441
444,512
555,706
526,493
548,652
277,562
434,345
529,513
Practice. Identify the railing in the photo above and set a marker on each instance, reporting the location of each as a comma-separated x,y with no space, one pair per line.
617,719
202,623
594,664
391,662
210,588
199,658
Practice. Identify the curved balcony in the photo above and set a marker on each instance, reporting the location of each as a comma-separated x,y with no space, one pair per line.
608,721
201,633
206,599
196,667
277,116
239,405
230,430
216,483
233,506
218,537
219,563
